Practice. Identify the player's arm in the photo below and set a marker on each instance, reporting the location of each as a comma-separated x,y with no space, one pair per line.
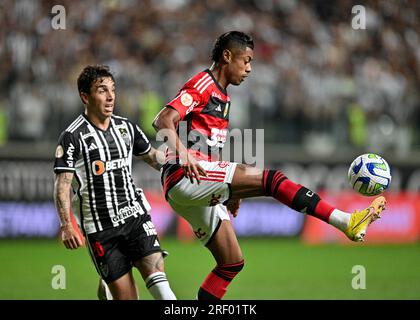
168,120
154,158
62,187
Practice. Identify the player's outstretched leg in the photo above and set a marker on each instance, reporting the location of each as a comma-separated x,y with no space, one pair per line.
253,182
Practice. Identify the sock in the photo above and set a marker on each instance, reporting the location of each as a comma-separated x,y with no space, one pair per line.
295,196
103,291
339,219
158,286
215,285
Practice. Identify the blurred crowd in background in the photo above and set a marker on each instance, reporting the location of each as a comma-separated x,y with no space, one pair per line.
316,82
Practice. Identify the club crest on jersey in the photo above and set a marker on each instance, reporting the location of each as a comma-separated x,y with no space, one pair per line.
99,167
125,136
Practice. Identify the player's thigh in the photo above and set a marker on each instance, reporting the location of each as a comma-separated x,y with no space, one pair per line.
150,264
124,288
204,221
224,245
213,189
247,182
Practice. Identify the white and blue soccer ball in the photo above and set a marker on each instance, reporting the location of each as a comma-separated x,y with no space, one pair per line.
369,174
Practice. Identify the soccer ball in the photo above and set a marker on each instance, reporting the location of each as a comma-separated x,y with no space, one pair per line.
369,174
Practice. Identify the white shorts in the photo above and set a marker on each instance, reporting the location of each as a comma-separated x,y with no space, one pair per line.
201,204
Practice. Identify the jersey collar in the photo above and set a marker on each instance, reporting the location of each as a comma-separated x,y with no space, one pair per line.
222,90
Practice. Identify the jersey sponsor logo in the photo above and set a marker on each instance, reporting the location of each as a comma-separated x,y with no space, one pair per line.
186,99
219,108
149,228
127,212
199,233
218,137
216,95
99,167
59,152
195,103
70,152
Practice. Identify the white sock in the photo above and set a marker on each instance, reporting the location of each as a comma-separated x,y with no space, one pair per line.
339,219
158,286
103,291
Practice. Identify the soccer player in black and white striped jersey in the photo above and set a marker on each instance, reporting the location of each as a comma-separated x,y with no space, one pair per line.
93,158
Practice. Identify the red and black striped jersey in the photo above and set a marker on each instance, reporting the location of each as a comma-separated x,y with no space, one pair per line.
203,106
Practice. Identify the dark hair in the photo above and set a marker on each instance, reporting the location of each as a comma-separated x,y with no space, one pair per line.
228,40
90,74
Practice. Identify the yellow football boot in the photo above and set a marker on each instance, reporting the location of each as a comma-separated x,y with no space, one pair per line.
360,220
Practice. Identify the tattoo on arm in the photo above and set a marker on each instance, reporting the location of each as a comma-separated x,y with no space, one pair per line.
62,196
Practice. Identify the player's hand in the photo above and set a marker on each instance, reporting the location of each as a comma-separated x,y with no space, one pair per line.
70,237
233,206
192,169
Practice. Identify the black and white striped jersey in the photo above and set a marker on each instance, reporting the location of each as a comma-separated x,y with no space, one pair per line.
105,194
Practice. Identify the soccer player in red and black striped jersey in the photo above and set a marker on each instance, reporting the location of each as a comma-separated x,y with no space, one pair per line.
93,158
201,110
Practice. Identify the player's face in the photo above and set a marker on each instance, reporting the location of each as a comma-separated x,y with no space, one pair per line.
240,65
102,97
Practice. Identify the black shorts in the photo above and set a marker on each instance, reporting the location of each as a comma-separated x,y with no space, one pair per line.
114,250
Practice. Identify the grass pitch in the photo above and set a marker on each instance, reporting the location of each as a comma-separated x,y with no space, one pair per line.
274,269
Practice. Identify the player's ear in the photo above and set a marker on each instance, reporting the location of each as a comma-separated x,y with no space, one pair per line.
84,97
227,56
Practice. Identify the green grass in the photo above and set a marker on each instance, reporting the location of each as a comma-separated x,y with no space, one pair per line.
275,269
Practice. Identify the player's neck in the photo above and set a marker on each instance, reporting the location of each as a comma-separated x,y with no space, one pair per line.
219,75
99,122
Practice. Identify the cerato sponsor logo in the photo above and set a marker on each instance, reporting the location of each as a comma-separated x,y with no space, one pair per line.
127,212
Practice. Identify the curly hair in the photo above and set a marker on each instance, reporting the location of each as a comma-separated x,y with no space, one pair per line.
90,74
229,40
